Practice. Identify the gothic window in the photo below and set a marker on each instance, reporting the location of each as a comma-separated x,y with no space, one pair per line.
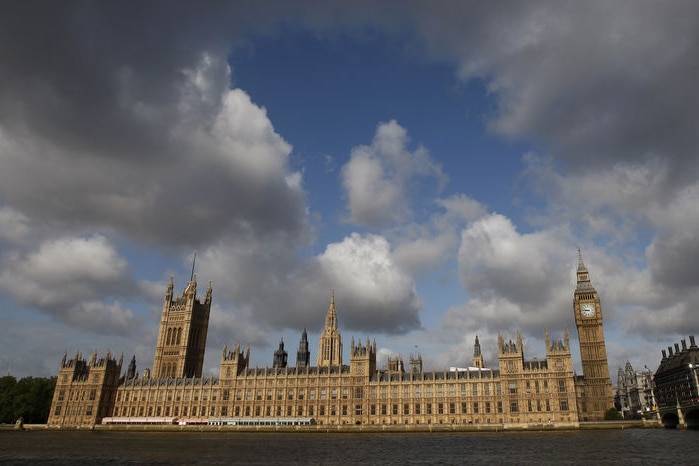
564,405
513,407
513,388
561,385
169,336
357,410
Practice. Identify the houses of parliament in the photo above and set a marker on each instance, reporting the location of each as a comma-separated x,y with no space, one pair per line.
516,393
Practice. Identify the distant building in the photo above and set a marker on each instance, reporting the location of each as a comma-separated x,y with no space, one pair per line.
518,392
676,385
634,393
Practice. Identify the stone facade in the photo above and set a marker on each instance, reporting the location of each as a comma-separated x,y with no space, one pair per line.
676,385
518,392
634,393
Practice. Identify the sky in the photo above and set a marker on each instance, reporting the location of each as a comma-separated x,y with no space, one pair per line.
435,165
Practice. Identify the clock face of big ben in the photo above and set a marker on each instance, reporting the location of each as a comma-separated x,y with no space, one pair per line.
588,310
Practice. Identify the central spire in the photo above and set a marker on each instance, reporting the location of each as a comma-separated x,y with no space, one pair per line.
330,344
331,318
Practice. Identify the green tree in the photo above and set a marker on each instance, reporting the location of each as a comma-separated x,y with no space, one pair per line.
612,414
29,398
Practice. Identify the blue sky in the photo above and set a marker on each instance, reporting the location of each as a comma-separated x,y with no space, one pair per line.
436,165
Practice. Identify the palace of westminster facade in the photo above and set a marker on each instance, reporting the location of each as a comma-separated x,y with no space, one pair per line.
518,392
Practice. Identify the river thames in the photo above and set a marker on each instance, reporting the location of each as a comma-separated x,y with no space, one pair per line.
629,446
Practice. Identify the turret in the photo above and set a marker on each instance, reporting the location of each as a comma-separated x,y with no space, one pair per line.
303,356
477,355
280,356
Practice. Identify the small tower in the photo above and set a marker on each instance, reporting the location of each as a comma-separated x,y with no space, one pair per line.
511,355
477,355
280,356
85,390
363,358
131,371
330,344
233,363
303,356
415,364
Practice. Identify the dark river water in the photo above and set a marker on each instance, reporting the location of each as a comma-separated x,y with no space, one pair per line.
617,447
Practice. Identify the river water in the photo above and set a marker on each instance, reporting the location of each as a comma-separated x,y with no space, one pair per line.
617,447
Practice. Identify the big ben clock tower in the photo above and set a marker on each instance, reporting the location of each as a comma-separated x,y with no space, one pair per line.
595,393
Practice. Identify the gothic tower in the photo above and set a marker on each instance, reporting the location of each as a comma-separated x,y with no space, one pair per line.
184,324
477,355
330,344
280,356
595,397
303,356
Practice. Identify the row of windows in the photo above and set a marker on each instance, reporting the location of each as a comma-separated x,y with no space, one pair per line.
333,410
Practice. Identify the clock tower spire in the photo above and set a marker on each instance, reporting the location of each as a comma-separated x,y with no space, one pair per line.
595,391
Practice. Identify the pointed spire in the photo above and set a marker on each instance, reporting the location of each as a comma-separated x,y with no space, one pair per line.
583,276
331,319
581,263
194,261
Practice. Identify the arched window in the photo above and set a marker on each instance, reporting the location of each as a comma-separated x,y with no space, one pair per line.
169,336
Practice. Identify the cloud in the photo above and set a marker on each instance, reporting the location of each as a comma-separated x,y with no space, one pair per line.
229,174
379,296
514,280
14,226
69,278
382,179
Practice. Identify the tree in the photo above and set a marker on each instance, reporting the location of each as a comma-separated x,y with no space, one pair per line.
612,414
29,398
